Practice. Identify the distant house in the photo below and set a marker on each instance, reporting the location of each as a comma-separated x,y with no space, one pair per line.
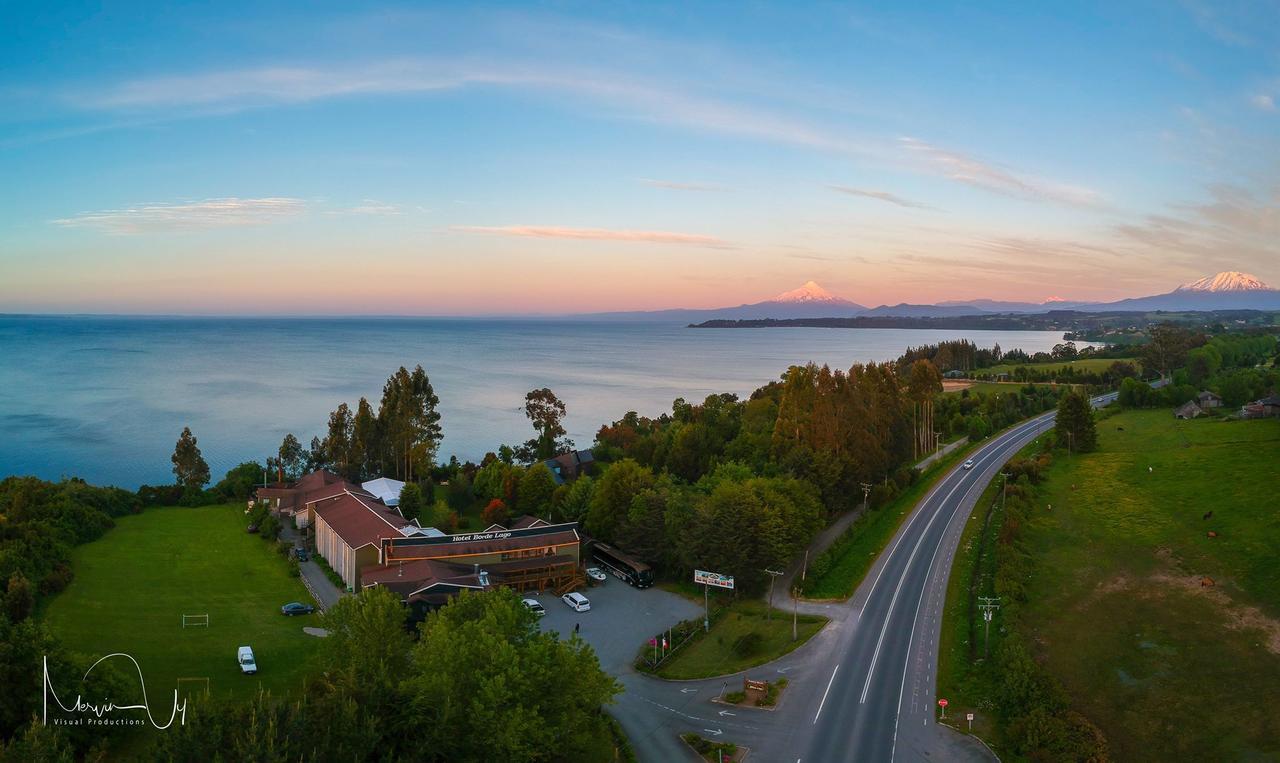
1188,410
1207,399
567,467
1270,405
385,489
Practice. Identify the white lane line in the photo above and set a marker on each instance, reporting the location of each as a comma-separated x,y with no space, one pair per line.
906,665
825,693
928,497
875,655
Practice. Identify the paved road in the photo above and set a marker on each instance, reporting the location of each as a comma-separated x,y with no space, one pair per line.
863,689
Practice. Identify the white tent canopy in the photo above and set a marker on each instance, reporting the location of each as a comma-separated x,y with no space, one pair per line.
385,489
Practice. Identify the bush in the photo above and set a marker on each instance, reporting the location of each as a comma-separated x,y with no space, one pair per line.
735,697
295,569
749,644
270,527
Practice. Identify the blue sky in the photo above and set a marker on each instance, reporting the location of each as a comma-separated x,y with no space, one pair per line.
461,159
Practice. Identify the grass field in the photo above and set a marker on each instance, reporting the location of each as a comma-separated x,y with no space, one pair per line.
133,585
990,388
1095,365
716,653
872,532
1168,668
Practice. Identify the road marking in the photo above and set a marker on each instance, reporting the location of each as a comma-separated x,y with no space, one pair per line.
686,691
714,732
825,693
906,665
723,713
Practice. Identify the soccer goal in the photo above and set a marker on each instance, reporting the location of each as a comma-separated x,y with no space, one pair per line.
195,621
189,686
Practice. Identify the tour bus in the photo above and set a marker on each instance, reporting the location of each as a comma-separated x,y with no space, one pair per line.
624,567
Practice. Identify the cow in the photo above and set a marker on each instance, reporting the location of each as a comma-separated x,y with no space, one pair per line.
1208,515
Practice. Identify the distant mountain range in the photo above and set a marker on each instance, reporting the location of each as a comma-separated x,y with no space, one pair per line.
1228,290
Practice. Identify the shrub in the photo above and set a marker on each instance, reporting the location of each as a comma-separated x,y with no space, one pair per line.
749,644
735,697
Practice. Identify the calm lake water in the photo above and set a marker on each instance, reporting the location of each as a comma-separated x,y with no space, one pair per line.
105,398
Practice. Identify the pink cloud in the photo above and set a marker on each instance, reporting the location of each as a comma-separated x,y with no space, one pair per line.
597,234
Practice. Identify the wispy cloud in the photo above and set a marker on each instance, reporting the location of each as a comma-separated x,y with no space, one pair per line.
197,215
884,196
375,208
596,234
682,186
966,169
1264,102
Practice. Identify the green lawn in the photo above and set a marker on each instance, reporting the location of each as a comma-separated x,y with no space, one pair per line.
872,532
1168,669
993,388
133,585
717,653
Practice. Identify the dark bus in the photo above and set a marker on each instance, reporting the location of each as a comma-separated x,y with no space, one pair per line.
622,566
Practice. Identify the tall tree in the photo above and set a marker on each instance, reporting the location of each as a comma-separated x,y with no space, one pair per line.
409,422
337,444
290,457
536,488
1075,428
188,464
366,452
545,411
412,502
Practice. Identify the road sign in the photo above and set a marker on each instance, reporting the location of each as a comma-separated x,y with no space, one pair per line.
712,578
942,703
968,717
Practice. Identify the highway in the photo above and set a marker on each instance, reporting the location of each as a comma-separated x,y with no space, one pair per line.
863,689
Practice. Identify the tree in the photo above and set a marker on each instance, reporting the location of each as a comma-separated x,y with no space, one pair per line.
365,448
337,444
545,411
495,513
536,488
578,499
188,464
1075,428
487,684
290,457
1168,348
19,599
611,499
412,501
240,481
408,423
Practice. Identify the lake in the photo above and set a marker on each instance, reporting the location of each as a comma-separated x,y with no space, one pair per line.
105,398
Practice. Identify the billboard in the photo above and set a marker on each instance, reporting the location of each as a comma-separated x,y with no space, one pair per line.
703,577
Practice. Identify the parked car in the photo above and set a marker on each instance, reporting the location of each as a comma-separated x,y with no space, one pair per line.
297,608
596,574
968,464
576,601
244,656
301,554
535,607
251,529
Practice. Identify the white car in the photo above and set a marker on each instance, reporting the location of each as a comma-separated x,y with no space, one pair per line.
576,601
244,656
968,464
535,607
597,574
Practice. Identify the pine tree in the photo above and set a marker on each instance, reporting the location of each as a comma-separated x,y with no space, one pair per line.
188,464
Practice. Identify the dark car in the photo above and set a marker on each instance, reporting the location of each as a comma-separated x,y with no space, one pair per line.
297,608
301,554
251,529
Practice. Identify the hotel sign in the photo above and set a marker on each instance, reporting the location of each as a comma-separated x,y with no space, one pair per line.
402,548
703,577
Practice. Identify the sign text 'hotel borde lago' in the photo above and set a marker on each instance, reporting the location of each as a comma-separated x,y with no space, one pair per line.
703,577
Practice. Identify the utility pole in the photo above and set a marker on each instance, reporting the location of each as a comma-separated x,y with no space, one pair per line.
795,610
768,613
866,493
987,604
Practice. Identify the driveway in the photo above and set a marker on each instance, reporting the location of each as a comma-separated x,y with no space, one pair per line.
322,589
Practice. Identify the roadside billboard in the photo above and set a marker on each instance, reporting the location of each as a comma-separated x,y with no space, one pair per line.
702,577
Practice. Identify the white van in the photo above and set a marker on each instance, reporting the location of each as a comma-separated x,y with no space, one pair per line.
244,656
576,601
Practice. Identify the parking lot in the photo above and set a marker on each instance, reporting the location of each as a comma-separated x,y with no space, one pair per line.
620,620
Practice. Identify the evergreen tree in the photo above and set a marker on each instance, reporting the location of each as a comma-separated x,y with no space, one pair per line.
188,464
412,501
290,457
1075,428
337,444
536,488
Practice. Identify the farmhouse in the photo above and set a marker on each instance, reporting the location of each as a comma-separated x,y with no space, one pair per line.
427,571
1207,400
1188,410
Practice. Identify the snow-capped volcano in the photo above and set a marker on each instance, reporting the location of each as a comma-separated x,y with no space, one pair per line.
810,292
1228,280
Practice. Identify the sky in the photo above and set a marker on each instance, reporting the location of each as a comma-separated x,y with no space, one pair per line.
476,159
